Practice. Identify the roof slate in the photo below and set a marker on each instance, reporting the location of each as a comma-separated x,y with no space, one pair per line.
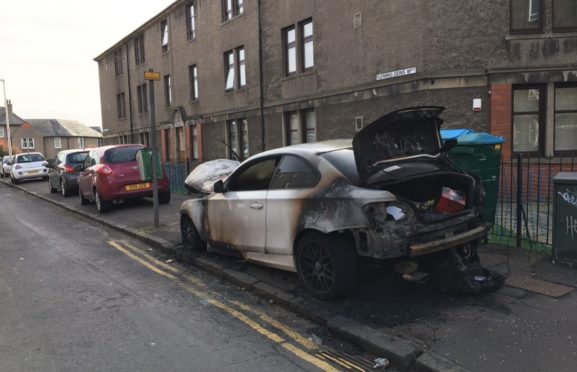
63,128
14,119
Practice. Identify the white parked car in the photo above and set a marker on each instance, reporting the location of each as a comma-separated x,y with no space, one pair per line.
6,166
27,166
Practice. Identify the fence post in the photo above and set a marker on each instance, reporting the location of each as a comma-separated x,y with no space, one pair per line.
519,199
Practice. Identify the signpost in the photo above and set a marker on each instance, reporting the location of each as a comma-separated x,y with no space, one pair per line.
152,76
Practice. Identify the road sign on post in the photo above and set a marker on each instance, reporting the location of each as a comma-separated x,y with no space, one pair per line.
152,76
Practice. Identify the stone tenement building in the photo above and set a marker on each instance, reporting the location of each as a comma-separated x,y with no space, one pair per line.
259,74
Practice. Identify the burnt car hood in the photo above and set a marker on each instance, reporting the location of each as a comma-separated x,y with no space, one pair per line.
399,145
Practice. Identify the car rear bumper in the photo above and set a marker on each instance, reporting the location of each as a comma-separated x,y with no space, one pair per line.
420,249
117,190
21,174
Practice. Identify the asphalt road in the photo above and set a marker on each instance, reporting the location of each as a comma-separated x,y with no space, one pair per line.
76,297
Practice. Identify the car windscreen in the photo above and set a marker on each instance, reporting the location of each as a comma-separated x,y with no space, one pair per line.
121,155
76,157
29,158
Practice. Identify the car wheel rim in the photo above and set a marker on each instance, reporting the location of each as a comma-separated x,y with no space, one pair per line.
316,267
187,233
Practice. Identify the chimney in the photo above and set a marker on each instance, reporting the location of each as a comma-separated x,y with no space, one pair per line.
9,108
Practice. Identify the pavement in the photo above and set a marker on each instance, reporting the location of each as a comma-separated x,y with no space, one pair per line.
346,317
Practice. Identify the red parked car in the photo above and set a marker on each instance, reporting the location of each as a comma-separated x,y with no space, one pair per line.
111,174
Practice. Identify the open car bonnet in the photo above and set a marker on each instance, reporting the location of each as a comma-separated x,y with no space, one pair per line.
406,142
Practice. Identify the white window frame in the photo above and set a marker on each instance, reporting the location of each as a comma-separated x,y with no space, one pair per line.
81,142
57,142
2,132
27,143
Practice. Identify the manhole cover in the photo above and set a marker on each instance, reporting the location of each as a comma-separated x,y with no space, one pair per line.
538,286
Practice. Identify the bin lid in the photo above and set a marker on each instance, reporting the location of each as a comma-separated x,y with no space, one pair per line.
480,139
565,178
447,134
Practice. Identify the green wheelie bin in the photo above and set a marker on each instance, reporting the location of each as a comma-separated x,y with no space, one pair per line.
479,153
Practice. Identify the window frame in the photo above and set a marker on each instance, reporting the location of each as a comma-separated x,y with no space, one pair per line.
142,96
302,129
542,114
241,139
287,47
167,90
81,142
164,31
191,16
2,132
528,31
118,67
304,40
194,146
27,143
555,112
193,81
235,65
560,29
230,182
120,106
232,9
57,144
139,57
309,166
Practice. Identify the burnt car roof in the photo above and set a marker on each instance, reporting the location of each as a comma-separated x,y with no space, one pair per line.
398,136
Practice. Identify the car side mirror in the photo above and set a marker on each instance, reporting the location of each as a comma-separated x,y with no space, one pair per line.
47,164
218,186
449,144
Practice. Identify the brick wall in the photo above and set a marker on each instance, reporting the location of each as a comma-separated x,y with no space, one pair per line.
501,113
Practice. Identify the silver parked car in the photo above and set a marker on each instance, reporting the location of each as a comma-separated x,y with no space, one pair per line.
317,208
6,166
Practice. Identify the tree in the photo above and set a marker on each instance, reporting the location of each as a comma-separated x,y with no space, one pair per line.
4,148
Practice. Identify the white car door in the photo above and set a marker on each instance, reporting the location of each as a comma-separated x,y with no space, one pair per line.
237,216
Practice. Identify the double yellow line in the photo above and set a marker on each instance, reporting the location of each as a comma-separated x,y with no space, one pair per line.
305,348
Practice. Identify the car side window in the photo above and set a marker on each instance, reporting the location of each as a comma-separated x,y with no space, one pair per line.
294,173
256,176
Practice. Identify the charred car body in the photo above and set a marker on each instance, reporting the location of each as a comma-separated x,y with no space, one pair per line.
316,208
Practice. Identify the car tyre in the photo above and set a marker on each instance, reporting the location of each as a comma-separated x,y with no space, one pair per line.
191,239
51,188
14,180
326,265
83,200
101,205
164,197
64,189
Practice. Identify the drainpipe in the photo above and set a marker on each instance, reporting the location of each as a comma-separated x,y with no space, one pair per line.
129,96
261,78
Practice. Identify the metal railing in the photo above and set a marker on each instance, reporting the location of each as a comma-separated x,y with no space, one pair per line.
177,172
524,212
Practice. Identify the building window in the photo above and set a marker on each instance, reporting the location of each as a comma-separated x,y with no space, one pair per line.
300,127
301,56
237,139
190,21
139,50
290,53
167,91
120,106
2,134
526,16
167,144
118,62
235,68
57,142
528,119
81,143
27,143
564,15
142,98
566,118
194,142
232,8
193,77
164,35
308,59
144,138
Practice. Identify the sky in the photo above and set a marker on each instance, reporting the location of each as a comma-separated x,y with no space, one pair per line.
47,51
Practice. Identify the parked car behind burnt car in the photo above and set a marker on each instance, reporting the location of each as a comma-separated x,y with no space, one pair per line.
111,174
64,171
6,166
29,165
317,208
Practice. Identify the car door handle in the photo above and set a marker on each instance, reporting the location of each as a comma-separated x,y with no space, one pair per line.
256,206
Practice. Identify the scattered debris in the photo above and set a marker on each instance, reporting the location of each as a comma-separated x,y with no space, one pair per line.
381,363
169,261
316,339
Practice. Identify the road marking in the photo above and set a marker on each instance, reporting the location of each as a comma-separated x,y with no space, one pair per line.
302,354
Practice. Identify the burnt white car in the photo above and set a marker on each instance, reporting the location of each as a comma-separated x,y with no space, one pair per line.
316,208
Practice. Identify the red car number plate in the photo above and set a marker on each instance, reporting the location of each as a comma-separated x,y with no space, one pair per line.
138,186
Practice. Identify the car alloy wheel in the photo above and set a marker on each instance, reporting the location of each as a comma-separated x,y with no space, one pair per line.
326,265
51,188
63,189
101,205
191,239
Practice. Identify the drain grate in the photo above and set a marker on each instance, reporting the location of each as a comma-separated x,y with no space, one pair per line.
346,361
538,286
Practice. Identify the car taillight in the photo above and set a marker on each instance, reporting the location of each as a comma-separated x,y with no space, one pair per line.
105,170
68,169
